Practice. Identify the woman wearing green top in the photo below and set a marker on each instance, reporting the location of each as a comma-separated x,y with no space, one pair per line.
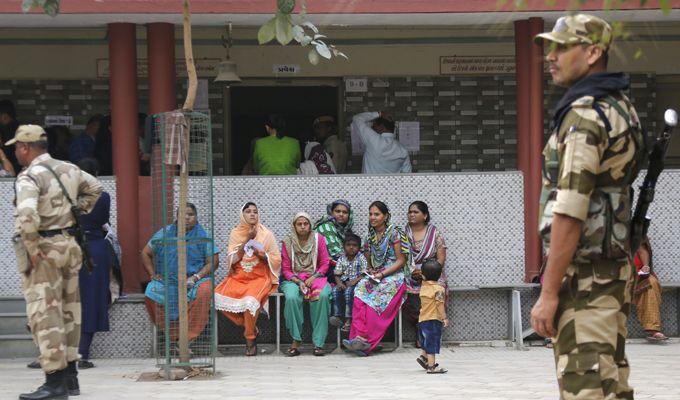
276,154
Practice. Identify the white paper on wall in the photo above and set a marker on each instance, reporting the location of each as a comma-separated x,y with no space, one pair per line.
409,134
59,120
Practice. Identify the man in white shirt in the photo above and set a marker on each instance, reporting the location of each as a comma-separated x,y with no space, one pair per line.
384,154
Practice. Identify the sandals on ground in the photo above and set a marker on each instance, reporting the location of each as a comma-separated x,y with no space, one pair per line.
292,352
361,353
359,344
656,336
436,369
422,361
251,350
318,351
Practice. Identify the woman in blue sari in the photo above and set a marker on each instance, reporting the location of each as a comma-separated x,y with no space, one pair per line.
94,286
202,259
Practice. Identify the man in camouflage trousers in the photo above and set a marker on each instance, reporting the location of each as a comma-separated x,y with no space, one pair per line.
590,161
49,258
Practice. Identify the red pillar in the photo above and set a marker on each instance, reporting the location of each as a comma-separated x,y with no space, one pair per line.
124,109
536,127
529,65
161,54
522,74
162,98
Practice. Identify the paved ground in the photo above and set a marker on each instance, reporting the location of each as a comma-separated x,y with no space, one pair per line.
475,373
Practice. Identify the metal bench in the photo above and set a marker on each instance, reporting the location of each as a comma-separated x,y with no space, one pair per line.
673,286
515,331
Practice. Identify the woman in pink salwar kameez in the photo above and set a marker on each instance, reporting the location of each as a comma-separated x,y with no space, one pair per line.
378,297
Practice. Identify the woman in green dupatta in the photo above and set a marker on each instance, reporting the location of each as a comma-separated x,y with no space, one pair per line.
333,227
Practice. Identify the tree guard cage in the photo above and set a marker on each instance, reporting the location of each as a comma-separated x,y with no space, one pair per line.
181,173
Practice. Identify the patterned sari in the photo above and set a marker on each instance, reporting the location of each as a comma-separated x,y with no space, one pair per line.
377,304
423,250
381,255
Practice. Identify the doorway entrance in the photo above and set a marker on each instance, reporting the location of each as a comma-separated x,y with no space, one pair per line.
299,103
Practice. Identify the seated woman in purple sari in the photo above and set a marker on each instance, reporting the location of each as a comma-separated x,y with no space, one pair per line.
378,296
426,243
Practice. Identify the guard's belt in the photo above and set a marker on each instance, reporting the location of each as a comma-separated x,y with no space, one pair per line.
54,232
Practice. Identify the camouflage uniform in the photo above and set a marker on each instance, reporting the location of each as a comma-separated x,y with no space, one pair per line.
589,166
51,288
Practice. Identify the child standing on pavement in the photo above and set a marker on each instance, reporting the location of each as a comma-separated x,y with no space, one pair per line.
432,316
348,272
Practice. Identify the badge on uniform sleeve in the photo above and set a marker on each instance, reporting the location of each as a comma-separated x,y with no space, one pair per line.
572,129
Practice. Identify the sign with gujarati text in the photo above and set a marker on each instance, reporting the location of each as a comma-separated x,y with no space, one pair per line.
59,120
286,68
204,67
462,65
356,85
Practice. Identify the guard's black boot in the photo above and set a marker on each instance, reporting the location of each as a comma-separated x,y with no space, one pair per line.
53,388
72,379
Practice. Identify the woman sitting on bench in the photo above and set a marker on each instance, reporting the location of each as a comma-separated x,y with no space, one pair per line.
379,295
305,264
254,262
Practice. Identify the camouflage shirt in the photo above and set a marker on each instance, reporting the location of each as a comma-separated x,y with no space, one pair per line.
587,173
40,202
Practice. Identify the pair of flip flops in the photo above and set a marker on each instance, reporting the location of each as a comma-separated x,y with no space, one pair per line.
294,352
434,369
356,344
656,337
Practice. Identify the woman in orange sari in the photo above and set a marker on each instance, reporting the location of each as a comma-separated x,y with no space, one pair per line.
254,262
647,295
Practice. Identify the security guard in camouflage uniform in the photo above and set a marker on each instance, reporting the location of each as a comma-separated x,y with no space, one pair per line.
49,258
590,161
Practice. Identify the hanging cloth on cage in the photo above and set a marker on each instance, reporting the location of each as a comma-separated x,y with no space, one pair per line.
176,139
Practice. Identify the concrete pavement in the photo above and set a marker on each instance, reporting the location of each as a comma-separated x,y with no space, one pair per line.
475,373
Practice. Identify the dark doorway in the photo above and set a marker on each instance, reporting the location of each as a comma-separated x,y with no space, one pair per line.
299,105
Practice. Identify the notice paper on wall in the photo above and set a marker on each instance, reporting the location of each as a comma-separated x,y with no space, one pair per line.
357,144
409,134
59,120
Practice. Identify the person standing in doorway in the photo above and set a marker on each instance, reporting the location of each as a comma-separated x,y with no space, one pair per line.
384,154
8,126
49,257
83,146
591,159
326,132
276,154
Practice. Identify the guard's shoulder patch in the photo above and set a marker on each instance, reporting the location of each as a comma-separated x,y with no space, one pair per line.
583,102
